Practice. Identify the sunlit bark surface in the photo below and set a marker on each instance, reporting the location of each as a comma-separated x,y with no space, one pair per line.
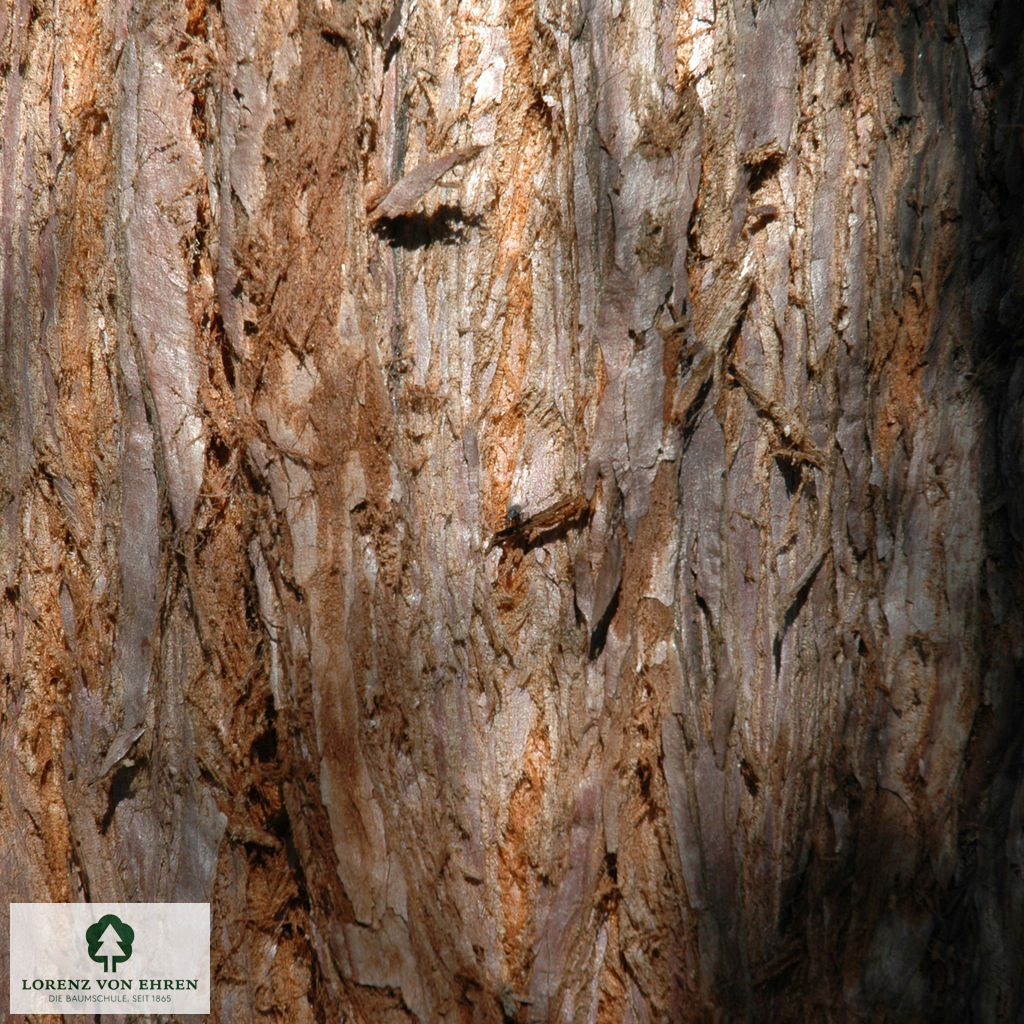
711,312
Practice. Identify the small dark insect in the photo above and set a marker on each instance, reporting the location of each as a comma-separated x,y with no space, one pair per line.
514,515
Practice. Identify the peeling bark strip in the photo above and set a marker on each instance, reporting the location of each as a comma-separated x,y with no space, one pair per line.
743,745
717,315
794,438
718,311
547,524
402,197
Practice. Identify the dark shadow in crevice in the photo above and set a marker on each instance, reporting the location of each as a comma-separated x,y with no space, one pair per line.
120,789
599,634
447,225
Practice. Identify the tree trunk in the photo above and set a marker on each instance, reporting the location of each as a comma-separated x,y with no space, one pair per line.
519,506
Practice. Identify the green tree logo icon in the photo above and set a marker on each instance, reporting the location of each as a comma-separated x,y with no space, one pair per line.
110,941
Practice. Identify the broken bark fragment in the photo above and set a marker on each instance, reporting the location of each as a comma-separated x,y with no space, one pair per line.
546,525
401,198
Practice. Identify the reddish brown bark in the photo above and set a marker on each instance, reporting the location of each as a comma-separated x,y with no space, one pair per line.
725,297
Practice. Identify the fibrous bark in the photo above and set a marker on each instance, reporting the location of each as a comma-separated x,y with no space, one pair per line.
720,722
